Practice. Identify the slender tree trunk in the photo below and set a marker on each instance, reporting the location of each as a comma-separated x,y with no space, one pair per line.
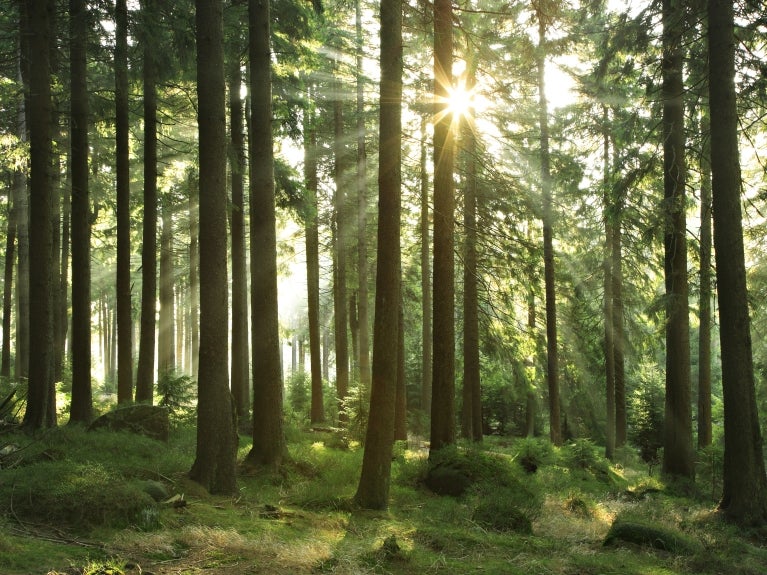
362,205
166,344
194,283
744,496
443,370
20,193
609,342
621,418
313,269
81,409
10,257
38,30
552,355
269,447
215,465
472,399
426,303
373,489
678,455
240,381
122,175
340,245
146,356
400,408
530,403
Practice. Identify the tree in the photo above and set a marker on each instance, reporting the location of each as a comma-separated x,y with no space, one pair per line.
471,417
373,489
81,407
443,366
744,494
268,436
609,342
38,29
678,456
122,177
10,250
426,303
240,381
362,206
340,248
311,227
215,464
543,15
166,346
145,370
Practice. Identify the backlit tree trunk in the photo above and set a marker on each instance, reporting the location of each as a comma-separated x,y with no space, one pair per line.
443,367
678,455
81,407
744,496
122,175
38,30
166,348
269,447
214,466
373,489
146,356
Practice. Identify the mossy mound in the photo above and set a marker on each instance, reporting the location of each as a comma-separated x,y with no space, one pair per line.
646,535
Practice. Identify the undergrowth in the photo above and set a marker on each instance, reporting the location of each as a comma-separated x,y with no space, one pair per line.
93,502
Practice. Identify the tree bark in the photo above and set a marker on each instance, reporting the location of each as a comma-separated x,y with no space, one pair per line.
363,322
678,455
744,495
373,489
81,408
166,348
215,465
443,366
40,381
269,447
146,356
609,341
426,301
340,248
317,414
240,364
10,257
122,175
552,352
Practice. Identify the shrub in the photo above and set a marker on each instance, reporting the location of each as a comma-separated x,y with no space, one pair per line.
532,453
501,511
176,391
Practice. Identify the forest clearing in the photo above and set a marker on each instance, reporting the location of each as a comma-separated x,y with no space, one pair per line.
98,503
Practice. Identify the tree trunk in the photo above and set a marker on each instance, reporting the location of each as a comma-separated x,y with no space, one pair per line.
678,455
340,246
122,175
744,496
363,325
373,489
194,284
400,407
10,256
313,268
443,369
166,348
552,352
426,304
609,343
215,465
20,193
40,380
146,356
240,364
81,408
269,447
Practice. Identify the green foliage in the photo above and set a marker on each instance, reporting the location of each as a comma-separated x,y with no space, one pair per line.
299,393
356,408
646,406
533,452
177,393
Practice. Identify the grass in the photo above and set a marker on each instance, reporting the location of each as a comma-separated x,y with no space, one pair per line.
83,501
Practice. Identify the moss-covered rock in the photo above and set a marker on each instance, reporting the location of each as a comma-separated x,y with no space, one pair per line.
148,420
646,535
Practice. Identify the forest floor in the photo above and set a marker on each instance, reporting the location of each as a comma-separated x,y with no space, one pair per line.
84,503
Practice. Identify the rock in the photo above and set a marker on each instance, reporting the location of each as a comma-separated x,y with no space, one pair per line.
149,420
649,536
